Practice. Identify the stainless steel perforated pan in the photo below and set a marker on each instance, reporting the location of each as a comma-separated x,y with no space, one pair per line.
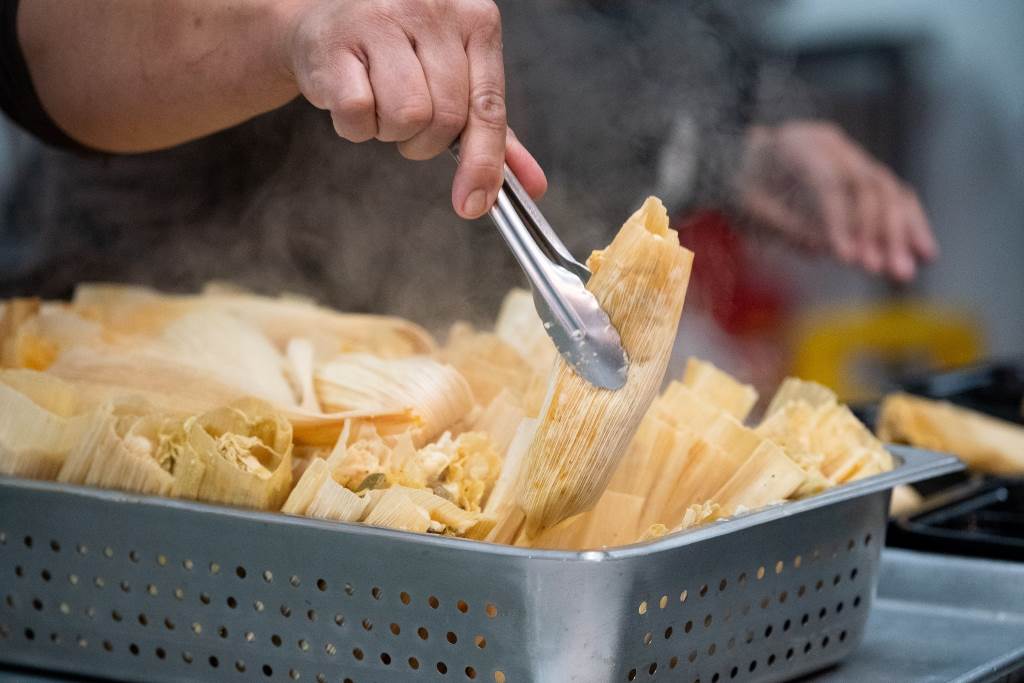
139,588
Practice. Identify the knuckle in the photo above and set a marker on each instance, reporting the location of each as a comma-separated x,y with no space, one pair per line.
415,112
485,13
488,105
354,106
484,167
449,120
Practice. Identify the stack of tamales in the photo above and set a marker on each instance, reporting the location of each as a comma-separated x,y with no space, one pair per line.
280,404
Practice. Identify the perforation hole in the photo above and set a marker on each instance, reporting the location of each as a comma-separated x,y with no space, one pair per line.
321,585
286,611
55,638
134,649
311,614
73,579
37,604
240,572
422,633
663,602
853,574
491,610
779,566
631,676
222,631
753,666
188,565
258,605
768,632
789,653
801,591
668,633
711,649
836,579
339,619
30,634
203,598
692,657
126,587
231,602
214,568
714,679
404,597
133,556
760,572
824,642
161,560
653,668
822,612
842,636
867,540
187,657
293,674
329,648
143,620
856,601
294,581
731,644
732,673
749,637
321,678
786,625
771,660
367,625
819,585
116,616
160,653
433,602
19,571
451,637
648,638
9,600
82,549
442,668
703,590
707,621
682,597
64,608
804,619
673,663
197,628
414,663
688,626
108,646
268,670
28,541
783,596
268,576
807,648
839,608
249,636
276,640
462,606
358,654
765,602
240,666
349,590
642,609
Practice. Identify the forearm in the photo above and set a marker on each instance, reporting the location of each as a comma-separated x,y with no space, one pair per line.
139,75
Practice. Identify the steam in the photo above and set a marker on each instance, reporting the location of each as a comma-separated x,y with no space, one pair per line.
281,204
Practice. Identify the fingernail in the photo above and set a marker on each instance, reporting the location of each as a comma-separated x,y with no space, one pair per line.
476,203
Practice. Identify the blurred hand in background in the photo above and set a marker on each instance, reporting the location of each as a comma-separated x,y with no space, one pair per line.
810,183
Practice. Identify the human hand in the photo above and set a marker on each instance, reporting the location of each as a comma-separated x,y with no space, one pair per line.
812,184
420,73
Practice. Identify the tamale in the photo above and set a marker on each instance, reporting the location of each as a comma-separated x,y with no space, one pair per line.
489,365
238,455
697,515
435,395
640,281
120,449
396,510
519,326
719,388
500,419
299,353
45,390
137,310
33,440
851,451
985,444
502,504
334,501
37,333
613,521
675,444
905,500
795,389
768,476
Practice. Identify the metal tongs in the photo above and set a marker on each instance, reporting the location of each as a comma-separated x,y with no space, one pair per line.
576,323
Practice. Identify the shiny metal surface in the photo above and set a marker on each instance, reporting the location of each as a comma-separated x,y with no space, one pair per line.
138,588
572,317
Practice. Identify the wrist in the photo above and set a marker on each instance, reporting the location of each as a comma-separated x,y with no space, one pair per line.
282,17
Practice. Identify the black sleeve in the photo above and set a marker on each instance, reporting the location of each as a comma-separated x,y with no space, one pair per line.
18,97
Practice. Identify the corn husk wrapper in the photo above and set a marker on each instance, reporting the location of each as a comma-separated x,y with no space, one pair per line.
33,334
396,510
640,281
46,391
300,355
500,419
34,441
719,388
489,365
851,451
794,389
698,515
519,326
137,310
905,500
768,476
674,446
502,504
122,447
614,521
984,443
415,394
653,532
238,455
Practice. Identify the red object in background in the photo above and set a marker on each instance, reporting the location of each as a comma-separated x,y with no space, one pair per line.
741,296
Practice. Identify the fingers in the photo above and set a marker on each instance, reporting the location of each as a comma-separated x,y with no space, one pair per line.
353,108
404,107
528,171
483,141
446,69
895,230
922,239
